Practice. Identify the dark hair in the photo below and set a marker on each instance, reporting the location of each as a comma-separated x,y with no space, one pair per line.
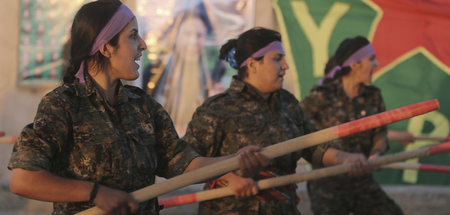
246,44
343,52
199,13
87,24
170,34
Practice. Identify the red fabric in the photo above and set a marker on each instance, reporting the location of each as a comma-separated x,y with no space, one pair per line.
408,24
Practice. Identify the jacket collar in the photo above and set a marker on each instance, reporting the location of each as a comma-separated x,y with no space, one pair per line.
88,88
250,92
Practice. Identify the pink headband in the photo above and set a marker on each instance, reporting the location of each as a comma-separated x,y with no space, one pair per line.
118,21
273,46
362,53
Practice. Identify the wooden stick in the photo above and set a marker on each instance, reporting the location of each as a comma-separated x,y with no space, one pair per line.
280,149
8,139
418,166
432,138
304,176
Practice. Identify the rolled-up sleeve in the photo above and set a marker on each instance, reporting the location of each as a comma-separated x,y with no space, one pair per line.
39,141
204,132
174,154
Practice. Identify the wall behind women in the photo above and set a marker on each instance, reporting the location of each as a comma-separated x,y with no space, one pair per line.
17,105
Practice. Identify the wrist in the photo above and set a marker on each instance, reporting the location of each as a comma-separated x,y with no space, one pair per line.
342,157
377,151
230,175
94,192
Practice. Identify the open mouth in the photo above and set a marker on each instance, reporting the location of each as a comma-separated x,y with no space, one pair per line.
138,58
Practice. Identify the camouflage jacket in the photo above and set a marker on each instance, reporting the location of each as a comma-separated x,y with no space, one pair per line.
239,117
328,105
76,134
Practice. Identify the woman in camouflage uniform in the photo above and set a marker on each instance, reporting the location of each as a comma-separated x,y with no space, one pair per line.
93,139
256,110
344,95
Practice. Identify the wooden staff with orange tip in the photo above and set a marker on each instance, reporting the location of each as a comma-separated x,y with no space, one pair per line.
8,139
442,139
280,149
304,176
418,166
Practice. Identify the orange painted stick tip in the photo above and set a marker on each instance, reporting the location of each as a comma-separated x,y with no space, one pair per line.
8,139
440,148
434,168
418,166
178,200
386,117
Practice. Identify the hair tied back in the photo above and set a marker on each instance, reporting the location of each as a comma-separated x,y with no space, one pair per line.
230,58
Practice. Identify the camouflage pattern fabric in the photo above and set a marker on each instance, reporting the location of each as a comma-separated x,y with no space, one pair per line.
328,105
239,117
76,134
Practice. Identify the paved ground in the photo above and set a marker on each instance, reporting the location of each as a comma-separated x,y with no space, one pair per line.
414,200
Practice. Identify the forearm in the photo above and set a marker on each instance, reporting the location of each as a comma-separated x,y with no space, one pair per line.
403,137
333,156
44,186
199,162
380,145
249,159
357,161
394,135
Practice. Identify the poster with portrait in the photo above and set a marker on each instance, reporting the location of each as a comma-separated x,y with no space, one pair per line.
44,32
182,68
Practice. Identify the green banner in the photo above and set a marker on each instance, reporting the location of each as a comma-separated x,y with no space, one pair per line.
411,41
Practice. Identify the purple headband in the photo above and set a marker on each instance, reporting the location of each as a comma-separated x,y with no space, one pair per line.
362,53
118,21
273,46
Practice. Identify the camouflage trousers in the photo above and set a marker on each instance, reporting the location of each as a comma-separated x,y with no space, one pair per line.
342,195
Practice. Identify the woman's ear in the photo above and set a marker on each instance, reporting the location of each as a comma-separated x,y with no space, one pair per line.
251,64
106,50
355,66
